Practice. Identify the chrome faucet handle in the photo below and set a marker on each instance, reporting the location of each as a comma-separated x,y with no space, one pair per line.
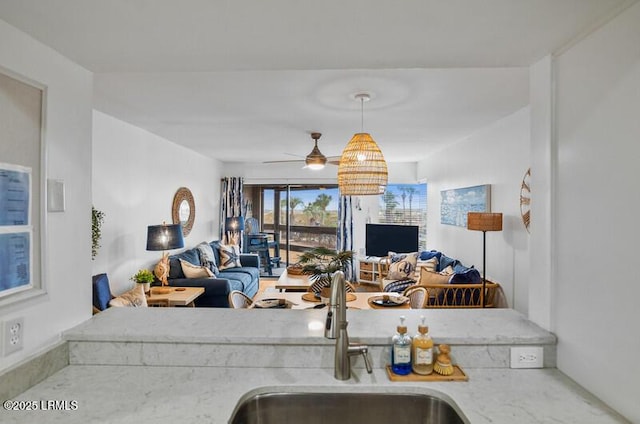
359,349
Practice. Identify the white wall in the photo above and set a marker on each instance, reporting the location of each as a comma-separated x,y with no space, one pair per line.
498,155
135,176
596,212
540,245
68,141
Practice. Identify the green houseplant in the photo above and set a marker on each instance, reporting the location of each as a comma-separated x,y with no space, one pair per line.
145,277
97,219
320,263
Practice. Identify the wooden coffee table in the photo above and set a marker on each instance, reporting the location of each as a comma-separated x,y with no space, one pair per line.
288,282
178,296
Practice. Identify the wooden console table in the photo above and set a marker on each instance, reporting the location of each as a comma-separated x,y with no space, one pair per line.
370,270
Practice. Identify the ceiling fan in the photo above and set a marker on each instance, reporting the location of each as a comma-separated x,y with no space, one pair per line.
314,160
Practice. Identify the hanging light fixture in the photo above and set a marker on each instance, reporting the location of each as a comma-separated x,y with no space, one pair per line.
315,160
362,170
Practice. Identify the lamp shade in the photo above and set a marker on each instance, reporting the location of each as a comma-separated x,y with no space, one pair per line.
484,221
164,237
362,169
234,223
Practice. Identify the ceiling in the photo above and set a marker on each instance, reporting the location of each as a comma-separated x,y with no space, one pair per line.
248,80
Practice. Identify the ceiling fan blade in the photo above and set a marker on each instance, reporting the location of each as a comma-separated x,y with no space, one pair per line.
284,161
333,160
294,155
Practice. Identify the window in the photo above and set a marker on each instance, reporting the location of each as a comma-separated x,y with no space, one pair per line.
405,204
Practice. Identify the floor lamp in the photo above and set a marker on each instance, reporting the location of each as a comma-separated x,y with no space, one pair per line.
484,221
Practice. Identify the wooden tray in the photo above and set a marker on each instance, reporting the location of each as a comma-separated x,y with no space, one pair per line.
458,375
311,297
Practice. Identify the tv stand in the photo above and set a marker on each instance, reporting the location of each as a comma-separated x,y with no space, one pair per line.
369,270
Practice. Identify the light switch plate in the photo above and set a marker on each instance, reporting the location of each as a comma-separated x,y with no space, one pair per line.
55,195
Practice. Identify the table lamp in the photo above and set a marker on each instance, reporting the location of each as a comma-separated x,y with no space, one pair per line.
233,225
484,221
164,237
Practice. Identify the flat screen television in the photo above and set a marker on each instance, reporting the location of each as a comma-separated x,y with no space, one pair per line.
382,238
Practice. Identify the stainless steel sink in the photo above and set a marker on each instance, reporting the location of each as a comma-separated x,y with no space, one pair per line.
351,408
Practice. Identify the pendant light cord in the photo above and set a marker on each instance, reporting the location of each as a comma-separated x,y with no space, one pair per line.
361,114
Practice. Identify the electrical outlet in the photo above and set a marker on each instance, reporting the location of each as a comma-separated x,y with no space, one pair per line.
13,335
527,357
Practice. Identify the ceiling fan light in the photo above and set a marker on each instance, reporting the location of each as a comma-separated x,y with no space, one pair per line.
315,166
362,170
315,160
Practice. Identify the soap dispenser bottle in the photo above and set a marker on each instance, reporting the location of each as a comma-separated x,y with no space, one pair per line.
401,350
422,350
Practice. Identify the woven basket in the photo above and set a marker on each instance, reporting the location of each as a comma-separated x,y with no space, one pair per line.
294,270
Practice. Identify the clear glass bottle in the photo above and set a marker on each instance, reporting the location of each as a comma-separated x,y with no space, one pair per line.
422,351
401,350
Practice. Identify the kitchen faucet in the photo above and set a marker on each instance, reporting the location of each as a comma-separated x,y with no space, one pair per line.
336,328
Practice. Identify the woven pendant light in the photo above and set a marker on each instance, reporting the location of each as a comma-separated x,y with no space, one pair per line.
362,170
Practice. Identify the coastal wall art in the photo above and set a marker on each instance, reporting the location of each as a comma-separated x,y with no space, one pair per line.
456,203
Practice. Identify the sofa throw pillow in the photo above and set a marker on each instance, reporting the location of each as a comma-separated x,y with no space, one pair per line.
430,265
402,265
195,271
229,256
427,277
133,298
207,257
447,271
470,276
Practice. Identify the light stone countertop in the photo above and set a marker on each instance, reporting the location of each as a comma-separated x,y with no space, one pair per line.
142,394
156,393
375,327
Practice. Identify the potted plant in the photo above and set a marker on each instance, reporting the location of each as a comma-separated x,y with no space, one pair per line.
320,263
97,219
144,277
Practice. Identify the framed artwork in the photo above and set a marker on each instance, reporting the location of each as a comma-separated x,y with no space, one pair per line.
22,188
456,203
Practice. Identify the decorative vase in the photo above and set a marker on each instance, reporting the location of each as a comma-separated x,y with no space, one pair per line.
146,287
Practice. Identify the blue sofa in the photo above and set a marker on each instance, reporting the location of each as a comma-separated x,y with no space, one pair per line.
216,289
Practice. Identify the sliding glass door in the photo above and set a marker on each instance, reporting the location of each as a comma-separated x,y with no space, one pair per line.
300,216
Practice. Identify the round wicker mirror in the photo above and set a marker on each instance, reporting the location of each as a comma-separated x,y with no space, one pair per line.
183,210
